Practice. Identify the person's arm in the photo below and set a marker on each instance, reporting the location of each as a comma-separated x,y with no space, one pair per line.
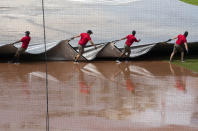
186,46
137,40
123,38
92,43
172,39
119,39
75,37
16,42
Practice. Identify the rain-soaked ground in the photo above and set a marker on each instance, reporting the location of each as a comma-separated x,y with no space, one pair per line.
99,96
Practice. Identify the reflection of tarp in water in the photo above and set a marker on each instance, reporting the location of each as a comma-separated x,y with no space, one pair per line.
64,51
91,70
42,75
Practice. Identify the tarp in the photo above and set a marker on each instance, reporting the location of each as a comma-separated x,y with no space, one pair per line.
64,51
55,51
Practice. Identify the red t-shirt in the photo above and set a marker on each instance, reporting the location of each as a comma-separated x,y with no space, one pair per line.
84,38
181,39
25,41
130,40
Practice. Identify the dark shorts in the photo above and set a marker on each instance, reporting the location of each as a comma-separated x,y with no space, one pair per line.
127,49
81,49
20,51
177,48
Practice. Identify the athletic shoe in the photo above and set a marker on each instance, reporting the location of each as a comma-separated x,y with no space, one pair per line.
76,62
118,61
17,62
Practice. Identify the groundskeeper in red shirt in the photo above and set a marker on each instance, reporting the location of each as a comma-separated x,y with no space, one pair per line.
85,37
25,41
130,39
181,39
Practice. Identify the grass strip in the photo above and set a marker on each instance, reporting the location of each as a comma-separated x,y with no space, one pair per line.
191,64
193,2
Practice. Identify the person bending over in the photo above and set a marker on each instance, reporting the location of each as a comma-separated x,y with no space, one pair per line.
181,39
85,38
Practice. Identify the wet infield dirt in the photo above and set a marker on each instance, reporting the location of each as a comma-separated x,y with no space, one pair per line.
99,96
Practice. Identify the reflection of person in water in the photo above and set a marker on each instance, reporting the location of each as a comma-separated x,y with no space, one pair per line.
84,87
129,84
23,79
180,81
194,118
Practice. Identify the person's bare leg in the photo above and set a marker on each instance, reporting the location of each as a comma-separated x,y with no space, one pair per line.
127,56
182,56
122,55
171,57
77,57
16,56
17,53
118,59
81,50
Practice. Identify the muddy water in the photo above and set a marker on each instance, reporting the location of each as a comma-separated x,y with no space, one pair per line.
98,96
